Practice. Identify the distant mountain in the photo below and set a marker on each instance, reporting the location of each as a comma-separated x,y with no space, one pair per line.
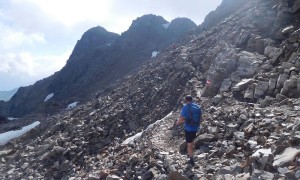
6,95
98,60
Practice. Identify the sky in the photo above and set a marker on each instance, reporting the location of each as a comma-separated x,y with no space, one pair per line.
38,36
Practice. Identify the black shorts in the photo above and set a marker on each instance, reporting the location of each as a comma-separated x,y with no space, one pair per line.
190,136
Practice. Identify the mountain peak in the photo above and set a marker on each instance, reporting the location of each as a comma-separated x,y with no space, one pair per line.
92,38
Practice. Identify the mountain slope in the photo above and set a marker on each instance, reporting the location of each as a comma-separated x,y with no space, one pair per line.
98,60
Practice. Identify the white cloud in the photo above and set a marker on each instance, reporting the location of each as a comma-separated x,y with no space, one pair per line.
25,64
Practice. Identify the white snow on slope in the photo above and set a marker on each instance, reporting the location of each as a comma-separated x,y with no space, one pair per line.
49,97
12,119
7,136
72,105
166,25
154,54
137,136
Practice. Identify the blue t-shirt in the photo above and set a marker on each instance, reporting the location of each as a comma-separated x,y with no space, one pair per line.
196,111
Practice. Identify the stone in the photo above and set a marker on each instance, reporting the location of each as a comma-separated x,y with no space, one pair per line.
266,102
225,86
174,175
287,65
289,88
284,158
280,97
297,174
249,94
148,175
242,85
216,99
204,138
262,85
295,37
5,152
239,135
247,65
258,93
113,177
93,177
273,53
272,85
281,79
296,6
262,174
65,165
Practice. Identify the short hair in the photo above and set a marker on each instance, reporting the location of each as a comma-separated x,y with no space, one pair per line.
188,98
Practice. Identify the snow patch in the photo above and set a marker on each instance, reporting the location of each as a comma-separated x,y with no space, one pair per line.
72,105
49,97
137,136
12,119
131,139
154,54
7,136
166,25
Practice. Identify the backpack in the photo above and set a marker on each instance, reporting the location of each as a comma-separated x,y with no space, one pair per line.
192,120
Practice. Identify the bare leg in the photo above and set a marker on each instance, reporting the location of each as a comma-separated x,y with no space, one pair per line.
190,149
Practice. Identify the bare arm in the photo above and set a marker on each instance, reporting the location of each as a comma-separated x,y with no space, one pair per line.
180,120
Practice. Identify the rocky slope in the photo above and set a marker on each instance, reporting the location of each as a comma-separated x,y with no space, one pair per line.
244,72
99,59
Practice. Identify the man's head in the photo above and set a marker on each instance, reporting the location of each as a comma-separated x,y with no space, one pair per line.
188,99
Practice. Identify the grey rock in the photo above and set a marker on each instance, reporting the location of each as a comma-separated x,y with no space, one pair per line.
249,94
242,85
281,79
239,135
296,6
225,86
297,174
148,175
174,175
113,177
93,177
65,165
290,87
273,53
217,99
295,37
204,138
285,157
280,97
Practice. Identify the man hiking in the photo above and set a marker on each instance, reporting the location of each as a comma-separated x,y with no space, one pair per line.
191,116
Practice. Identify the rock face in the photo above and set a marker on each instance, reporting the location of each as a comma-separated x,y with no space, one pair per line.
250,126
99,59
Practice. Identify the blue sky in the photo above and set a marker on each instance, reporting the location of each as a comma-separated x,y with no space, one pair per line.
37,36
